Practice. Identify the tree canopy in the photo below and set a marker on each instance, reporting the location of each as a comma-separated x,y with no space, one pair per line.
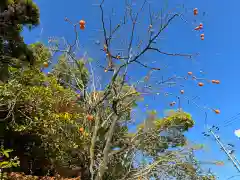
14,16
59,123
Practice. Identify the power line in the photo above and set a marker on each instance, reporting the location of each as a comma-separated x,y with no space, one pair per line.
233,117
231,120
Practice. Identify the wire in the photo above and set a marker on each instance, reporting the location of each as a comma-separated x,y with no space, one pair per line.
232,177
226,121
231,120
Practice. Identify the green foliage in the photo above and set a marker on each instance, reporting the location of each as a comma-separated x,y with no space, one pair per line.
46,116
160,134
41,54
71,74
211,177
39,106
51,114
17,14
180,120
5,161
44,120
48,111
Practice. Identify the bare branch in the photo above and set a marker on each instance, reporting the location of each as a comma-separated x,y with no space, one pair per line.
103,23
146,66
134,21
171,54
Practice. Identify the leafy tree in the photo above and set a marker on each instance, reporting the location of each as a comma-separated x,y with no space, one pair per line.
47,118
113,151
14,15
47,124
68,73
43,115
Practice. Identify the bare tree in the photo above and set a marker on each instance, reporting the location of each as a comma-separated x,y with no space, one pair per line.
111,145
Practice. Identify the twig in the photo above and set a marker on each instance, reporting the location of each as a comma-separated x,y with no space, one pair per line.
171,54
146,66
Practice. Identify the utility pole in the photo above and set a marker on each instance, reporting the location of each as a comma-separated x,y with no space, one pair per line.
228,152
232,153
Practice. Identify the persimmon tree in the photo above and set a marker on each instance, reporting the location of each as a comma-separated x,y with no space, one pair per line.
114,151
65,119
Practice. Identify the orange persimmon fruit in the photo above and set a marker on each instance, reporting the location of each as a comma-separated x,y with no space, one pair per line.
82,23
82,27
217,111
190,73
45,64
217,81
81,129
90,117
195,11
200,84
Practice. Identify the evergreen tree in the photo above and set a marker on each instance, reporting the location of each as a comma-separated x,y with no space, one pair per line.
14,15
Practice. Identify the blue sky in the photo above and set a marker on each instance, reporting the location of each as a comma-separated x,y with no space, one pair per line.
218,59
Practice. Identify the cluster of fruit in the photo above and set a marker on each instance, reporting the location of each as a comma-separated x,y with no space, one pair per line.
82,130
200,26
217,111
82,24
